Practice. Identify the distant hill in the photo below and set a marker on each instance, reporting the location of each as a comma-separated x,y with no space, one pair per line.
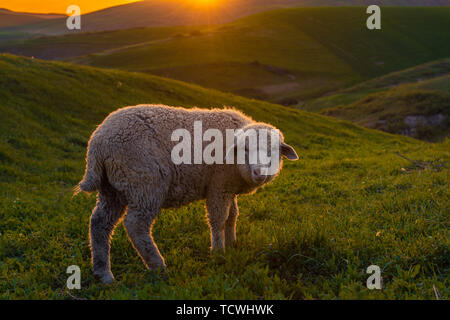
419,110
410,3
413,102
151,13
347,96
10,18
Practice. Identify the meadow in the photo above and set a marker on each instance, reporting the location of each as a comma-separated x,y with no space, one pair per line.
348,203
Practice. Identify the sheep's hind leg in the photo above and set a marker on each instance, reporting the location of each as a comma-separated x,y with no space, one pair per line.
103,221
230,224
138,223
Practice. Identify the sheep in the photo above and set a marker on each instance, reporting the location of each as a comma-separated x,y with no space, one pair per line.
129,163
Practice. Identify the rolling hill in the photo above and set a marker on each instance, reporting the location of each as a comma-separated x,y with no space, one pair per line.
10,18
366,3
414,102
348,203
285,56
420,110
152,13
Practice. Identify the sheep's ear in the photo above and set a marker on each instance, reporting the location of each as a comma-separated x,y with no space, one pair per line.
288,152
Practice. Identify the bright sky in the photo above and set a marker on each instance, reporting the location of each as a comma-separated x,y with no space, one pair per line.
59,6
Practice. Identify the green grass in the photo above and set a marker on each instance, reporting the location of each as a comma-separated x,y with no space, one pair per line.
348,203
325,49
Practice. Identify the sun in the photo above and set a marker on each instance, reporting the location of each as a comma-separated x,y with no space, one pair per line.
205,3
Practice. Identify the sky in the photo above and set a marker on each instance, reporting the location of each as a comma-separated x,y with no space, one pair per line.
59,6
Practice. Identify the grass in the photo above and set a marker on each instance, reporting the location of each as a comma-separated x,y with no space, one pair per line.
323,49
348,203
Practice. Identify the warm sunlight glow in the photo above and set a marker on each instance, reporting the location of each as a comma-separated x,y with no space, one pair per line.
205,3
59,6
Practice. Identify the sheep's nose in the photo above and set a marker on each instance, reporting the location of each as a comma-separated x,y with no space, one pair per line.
258,174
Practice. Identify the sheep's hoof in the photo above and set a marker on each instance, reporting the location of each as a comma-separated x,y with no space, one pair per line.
157,273
218,251
106,278
231,244
218,257
162,270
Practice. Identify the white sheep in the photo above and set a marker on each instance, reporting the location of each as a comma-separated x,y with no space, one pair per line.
129,163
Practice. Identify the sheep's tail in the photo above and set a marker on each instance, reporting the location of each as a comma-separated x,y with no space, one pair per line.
92,178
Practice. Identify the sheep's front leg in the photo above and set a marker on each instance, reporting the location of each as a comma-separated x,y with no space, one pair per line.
138,223
230,224
218,207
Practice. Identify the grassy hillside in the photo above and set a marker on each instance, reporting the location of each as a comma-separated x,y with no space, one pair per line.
419,110
414,102
283,56
348,203
11,19
62,47
416,74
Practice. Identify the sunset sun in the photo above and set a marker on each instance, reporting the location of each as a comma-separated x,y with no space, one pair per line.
205,3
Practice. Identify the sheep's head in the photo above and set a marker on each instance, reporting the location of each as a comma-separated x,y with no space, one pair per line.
258,152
